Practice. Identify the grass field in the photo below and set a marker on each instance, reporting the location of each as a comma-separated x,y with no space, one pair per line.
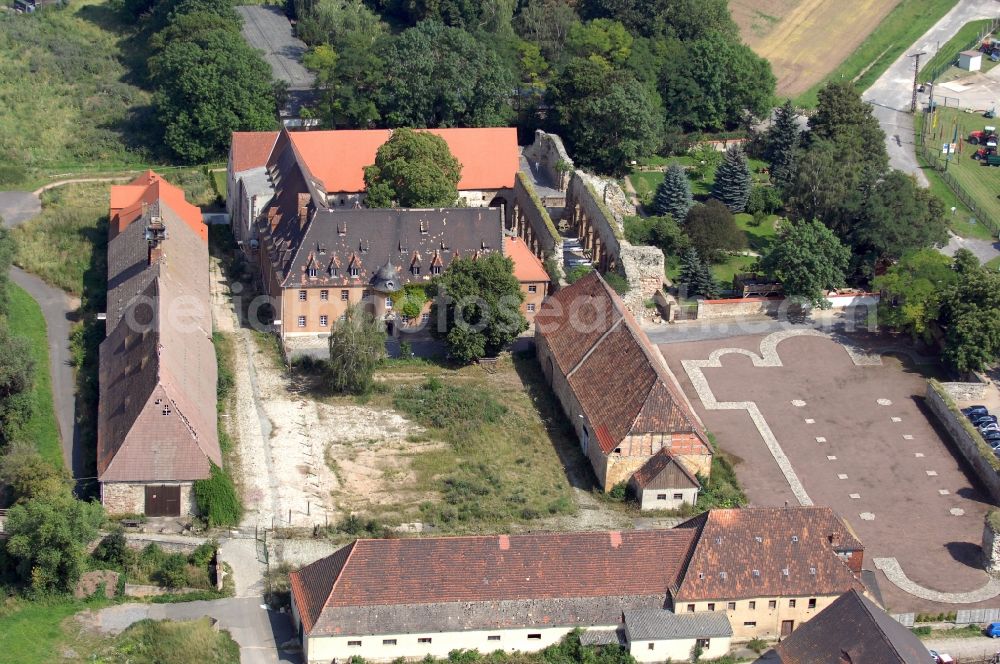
994,264
864,61
646,182
500,431
42,631
981,182
948,53
42,430
68,102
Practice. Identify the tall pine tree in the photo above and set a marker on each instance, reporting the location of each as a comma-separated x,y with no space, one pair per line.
781,141
690,265
673,196
705,284
732,180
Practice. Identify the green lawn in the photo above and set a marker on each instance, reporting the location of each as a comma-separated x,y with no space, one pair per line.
26,320
646,182
219,180
904,25
759,238
948,53
994,264
981,182
32,631
723,272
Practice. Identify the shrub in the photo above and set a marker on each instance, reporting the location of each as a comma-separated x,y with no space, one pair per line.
757,645
217,499
113,550
764,200
617,281
173,572
578,272
448,407
619,492
203,555
921,631
12,174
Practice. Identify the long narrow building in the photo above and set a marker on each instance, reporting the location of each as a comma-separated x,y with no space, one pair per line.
157,430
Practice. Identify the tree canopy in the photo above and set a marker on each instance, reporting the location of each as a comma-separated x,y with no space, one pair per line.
732,180
913,289
713,230
781,141
809,260
673,196
17,378
357,348
7,249
970,316
413,169
476,306
441,76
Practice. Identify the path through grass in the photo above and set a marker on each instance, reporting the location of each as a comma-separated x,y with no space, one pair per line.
42,430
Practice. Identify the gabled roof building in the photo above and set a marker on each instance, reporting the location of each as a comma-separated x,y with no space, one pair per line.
384,599
590,346
852,630
157,430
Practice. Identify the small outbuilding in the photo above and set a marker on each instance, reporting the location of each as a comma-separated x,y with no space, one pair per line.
970,60
663,483
657,635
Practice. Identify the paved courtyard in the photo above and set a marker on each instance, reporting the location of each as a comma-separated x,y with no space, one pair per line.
818,428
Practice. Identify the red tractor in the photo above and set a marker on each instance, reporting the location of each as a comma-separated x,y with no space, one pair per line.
983,153
987,136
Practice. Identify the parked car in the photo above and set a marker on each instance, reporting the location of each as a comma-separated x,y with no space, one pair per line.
970,410
992,426
979,417
941,658
993,630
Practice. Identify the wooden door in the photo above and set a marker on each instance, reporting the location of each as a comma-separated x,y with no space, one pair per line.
786,627
163,500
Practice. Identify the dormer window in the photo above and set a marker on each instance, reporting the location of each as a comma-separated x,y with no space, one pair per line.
436,269
363,246
312,271
334,271
423,227
355,271
415,270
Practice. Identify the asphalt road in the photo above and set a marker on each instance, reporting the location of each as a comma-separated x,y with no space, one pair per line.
58,308
891,94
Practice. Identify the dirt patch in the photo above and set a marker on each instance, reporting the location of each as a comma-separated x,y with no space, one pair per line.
806,39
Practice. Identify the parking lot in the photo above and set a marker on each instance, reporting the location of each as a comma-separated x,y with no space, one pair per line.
856,438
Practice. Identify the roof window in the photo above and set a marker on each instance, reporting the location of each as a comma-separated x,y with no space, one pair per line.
755,572
784,571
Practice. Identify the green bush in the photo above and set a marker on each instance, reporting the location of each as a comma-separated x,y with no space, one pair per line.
203,555
12,174
217,499
113,550
578,272
921,631
757,645
173,571
448,407
617,281
765,200
619,492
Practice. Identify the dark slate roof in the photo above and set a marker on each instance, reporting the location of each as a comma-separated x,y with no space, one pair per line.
791,549
853,626
603,637
463,582
371,237
601,349
663,471
656,625
157,408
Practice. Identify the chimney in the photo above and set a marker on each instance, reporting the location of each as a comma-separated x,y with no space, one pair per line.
616,539
303,209
156,234
504,542
834,539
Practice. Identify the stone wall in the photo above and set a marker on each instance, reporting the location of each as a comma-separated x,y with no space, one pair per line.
991,542
965,391
547,151
969,443
530,221
747,306
123,498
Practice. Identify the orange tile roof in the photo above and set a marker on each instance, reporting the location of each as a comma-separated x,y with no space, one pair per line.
527,266
489,156
127,203
250,149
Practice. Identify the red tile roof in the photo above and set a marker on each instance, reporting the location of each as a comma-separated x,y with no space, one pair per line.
489,569
767,552
601,349
250,149
489,156
128,202
527,266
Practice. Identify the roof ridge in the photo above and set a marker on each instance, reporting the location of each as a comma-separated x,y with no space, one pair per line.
333,586
878,625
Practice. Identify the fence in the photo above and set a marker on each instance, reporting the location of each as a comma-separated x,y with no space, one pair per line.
974,616
982,216
932,75
905,619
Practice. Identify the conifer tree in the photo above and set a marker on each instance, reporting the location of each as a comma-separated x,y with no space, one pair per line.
782,139
732,180
690,267
673,196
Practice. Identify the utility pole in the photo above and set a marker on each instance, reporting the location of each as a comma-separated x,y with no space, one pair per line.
916,74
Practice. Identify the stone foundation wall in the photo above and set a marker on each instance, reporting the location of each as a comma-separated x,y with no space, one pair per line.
971,445
748,306
123,498
991,542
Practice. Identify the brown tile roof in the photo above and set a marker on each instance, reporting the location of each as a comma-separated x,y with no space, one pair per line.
767,552
853,626
157,410
515,571
250,149
601,349
527,267
663,471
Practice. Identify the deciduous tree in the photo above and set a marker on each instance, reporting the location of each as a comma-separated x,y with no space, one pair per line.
809,260
413,169
357,347
713,230
912,291
970,315
476,306
25,474
17,378
673,196
899,216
